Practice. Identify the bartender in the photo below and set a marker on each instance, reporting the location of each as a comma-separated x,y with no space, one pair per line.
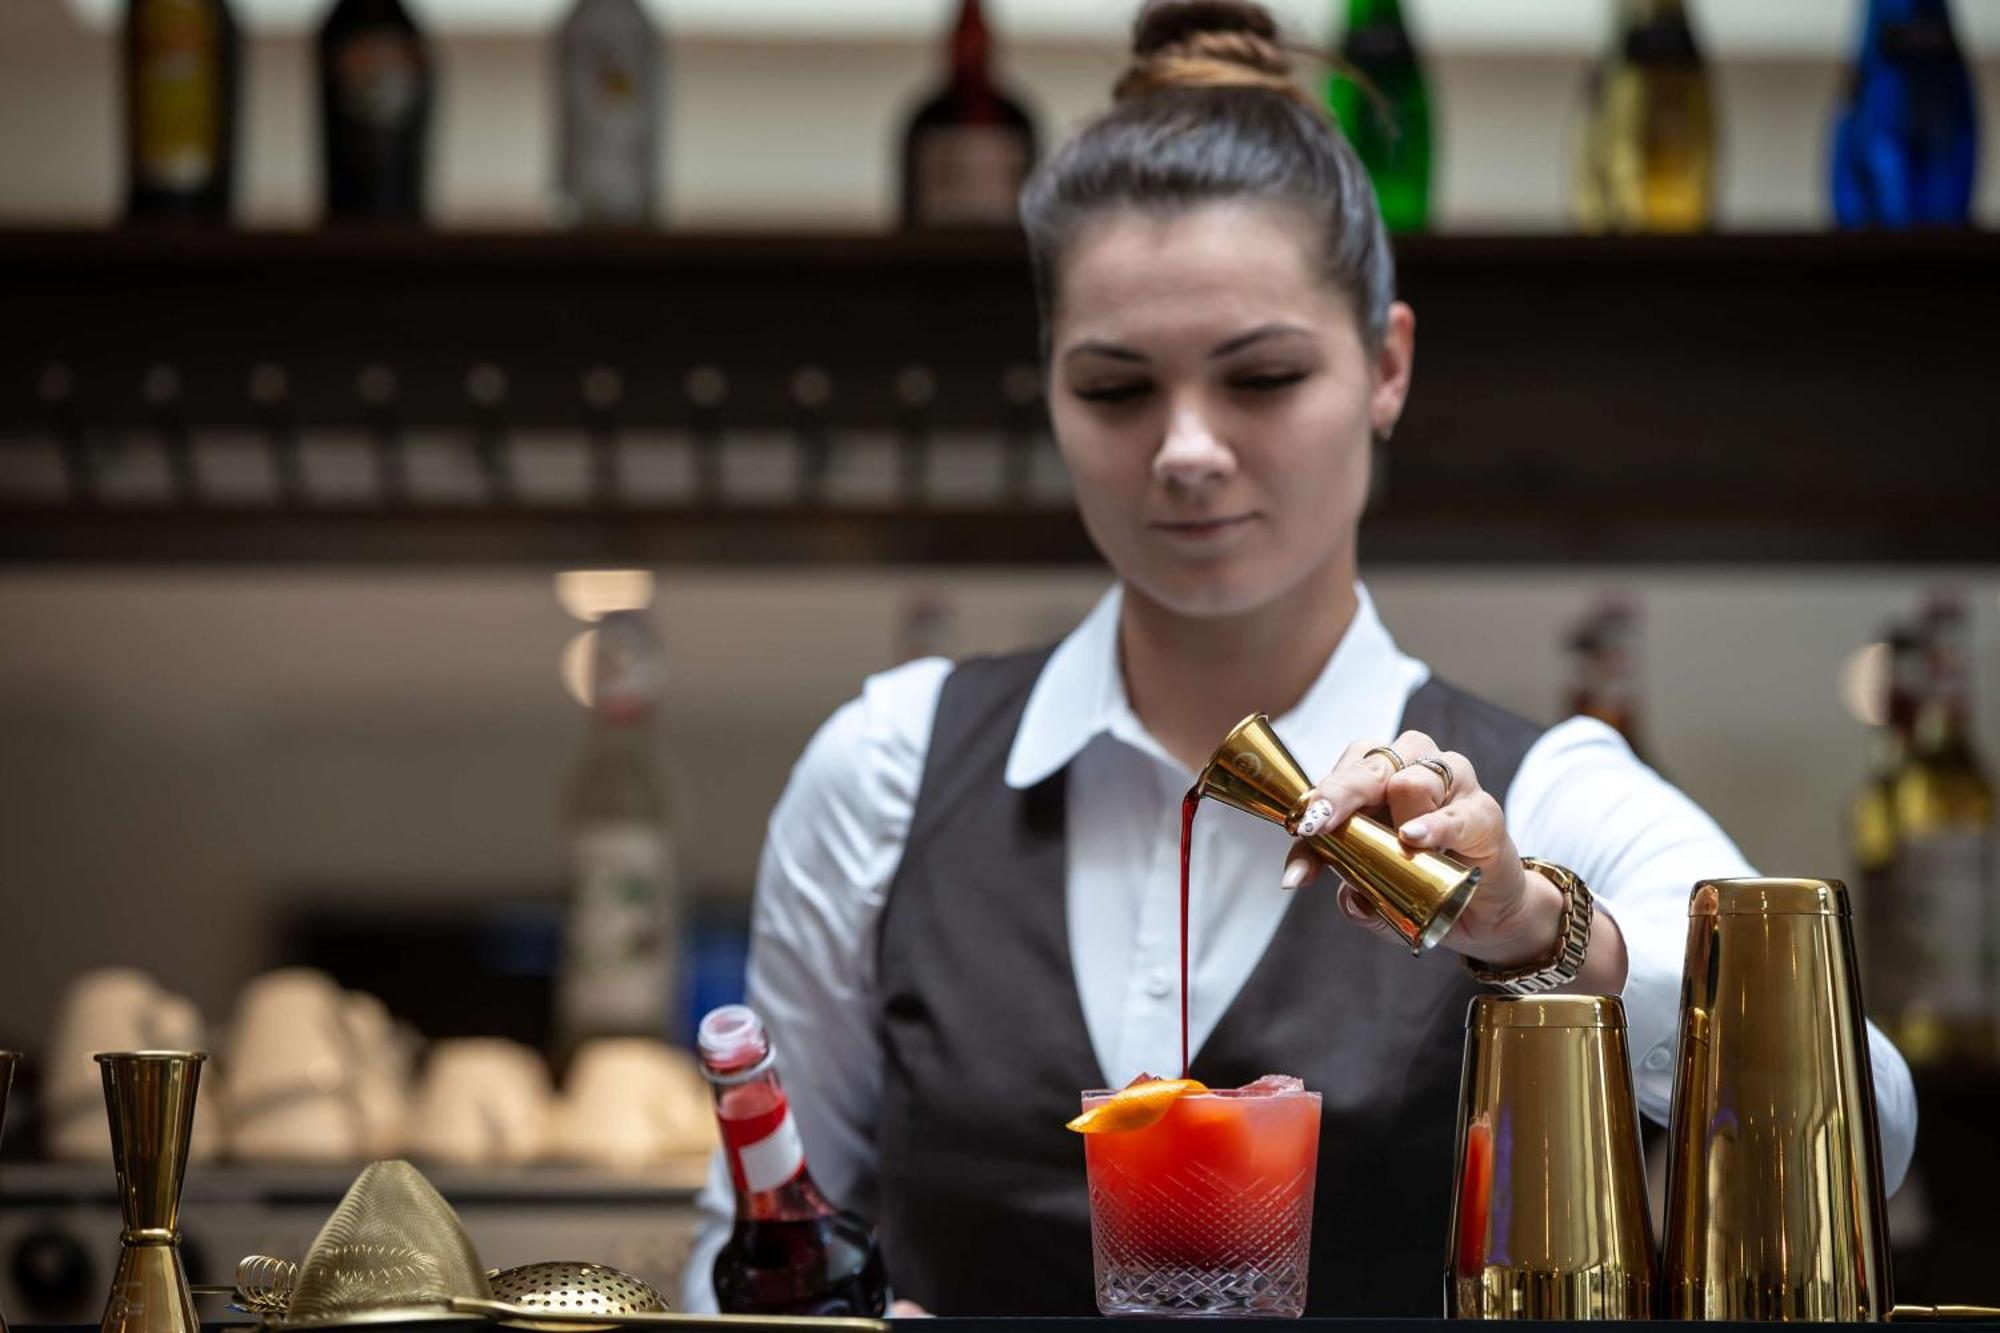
967,910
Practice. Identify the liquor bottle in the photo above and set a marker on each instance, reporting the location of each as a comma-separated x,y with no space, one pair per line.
969,146
1943,864
180,73
1647,152
1871,829
1604,669
1906,143
621,949
610,77
791,1251
376,91
1384,108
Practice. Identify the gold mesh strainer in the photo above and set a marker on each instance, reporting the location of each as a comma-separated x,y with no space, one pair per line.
395,1252
393,1249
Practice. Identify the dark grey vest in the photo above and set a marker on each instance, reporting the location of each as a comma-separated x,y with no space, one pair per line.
982,1204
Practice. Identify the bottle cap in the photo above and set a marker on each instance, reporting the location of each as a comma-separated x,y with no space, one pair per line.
731,1038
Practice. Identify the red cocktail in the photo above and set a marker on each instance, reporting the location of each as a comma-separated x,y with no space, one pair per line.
1208,1209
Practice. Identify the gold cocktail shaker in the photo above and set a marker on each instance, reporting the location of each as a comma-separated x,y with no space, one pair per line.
150,1098
1548,1217
1774,1183
8,1059
1418,892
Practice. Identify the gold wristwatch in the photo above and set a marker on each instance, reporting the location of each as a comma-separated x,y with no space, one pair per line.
1572,939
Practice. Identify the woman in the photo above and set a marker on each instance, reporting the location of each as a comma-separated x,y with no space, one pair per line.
968,906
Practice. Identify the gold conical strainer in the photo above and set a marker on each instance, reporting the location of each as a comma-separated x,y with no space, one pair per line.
393,1248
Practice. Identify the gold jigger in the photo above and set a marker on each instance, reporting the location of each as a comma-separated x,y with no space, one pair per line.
1548,1217
1774,1178
8,1059
1421,893
150,1096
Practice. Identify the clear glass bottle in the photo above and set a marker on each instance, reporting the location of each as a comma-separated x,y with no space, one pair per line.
791,1250
611,77
621,964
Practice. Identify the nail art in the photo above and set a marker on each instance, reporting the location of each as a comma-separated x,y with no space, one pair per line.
1315,817
1295,875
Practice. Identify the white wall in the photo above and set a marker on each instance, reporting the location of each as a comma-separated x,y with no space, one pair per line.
774,130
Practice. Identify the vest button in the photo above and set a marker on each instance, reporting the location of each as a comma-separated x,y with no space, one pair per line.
1160,986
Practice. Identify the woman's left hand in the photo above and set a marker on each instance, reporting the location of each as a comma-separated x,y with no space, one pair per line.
1509,920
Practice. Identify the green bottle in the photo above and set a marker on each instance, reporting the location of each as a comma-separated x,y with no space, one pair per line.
1386,112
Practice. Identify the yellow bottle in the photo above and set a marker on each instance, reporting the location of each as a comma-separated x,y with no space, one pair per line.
1646,154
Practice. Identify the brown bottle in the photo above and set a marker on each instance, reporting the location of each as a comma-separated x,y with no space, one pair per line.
970,145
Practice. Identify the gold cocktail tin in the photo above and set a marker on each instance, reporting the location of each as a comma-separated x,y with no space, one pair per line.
1774,1188
1549,1217
1418,892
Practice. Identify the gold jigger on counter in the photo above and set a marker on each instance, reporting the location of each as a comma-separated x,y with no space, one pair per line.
8,1059
1548,1217
1420,893
150,1097
1774,1183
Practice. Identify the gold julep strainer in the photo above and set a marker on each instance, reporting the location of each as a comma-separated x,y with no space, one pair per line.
395,1252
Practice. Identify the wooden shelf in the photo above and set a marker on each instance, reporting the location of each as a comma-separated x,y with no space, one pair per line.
1782,399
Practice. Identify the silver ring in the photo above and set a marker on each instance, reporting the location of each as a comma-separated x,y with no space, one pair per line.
1439,767
1393,757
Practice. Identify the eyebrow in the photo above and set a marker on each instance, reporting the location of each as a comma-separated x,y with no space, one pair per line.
1118,352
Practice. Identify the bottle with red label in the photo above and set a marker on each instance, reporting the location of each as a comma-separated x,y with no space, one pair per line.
969,146
792,1251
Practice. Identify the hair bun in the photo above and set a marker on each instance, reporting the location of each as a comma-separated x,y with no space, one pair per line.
1206,44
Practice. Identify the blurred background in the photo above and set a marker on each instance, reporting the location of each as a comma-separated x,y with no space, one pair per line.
453,454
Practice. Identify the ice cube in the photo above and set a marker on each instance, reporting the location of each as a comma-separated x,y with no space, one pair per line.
1274,1083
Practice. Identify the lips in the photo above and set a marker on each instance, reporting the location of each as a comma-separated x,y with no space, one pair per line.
1201,527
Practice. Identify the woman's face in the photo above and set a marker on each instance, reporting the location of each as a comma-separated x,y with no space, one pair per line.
1214,399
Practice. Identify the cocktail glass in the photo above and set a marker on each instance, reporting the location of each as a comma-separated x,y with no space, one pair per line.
1207,1211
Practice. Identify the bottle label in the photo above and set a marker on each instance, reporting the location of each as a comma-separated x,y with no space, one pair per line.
178,90
762,1155
1937,944
618,973
969,175
378,78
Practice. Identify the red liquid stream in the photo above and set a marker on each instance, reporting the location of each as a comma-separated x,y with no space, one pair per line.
1189,804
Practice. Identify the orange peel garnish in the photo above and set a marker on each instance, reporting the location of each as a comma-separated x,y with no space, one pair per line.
1135,1107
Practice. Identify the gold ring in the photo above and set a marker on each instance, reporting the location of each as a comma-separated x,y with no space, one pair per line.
1393,757
1439,767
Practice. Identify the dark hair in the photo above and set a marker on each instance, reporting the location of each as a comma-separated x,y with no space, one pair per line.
1207,113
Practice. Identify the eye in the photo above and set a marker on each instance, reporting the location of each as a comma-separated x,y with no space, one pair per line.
1122,391
1268,381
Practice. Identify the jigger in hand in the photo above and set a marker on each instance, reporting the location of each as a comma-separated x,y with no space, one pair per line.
150,1098
1420,893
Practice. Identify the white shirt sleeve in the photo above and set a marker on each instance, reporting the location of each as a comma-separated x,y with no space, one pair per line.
834,842
1582,799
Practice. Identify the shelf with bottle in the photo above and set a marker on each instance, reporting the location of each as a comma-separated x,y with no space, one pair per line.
412,396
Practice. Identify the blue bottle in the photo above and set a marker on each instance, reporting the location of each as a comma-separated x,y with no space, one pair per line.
1906,144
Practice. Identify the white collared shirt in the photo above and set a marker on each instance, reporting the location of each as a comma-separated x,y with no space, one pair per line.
1580,798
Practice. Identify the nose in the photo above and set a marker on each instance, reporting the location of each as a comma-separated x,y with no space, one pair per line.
1191,454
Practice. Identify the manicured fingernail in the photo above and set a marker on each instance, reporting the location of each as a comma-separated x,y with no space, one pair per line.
1295,875
1315,817
1416,831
